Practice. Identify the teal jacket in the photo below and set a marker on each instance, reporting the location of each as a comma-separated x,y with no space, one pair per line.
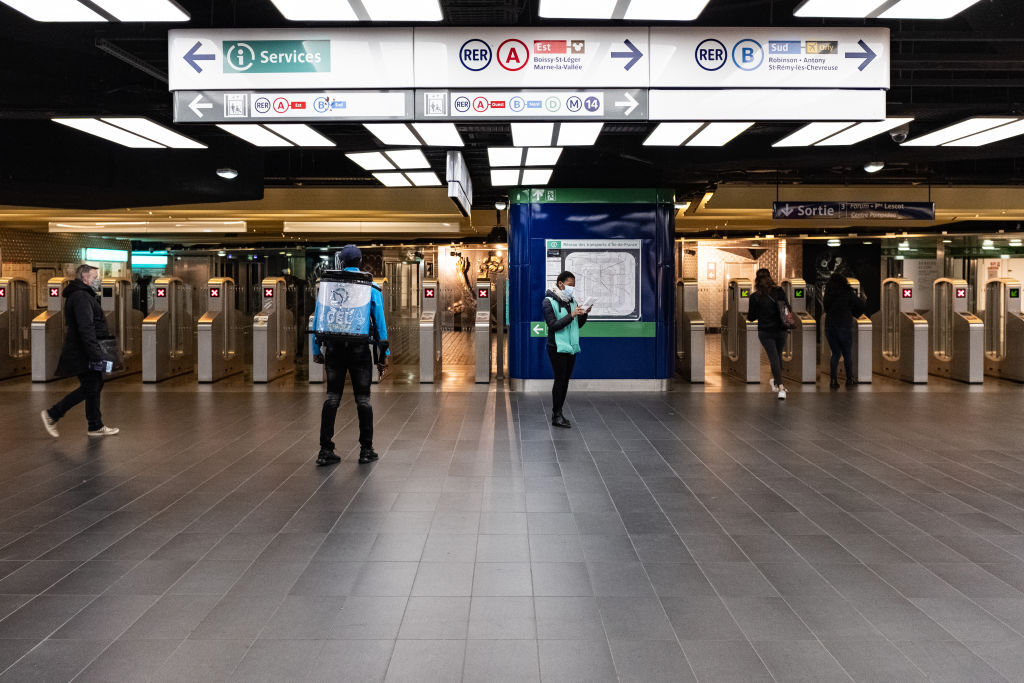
380,328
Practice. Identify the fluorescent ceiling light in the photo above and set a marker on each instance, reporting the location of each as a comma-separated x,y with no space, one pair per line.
874,166
393,134
926,9
989,136
812,133
439,134
301,134
392,179
837,8
504,176
148,227
577,134
408,158
718,134
662,10
672,133
424,178
532,134
957,131
108,132
504,156
253,134
537,176
863,131
143,10
54,10
154,131
577,9
403,10
542,156
316,10
372,227
371,161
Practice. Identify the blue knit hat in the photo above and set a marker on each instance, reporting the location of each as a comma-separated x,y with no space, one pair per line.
348,257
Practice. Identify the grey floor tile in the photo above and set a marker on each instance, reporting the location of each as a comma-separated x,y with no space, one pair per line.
738,579
898,619
800,660
434,618
36,577
238,546
327,579
55,660
269,661
560,579
650,661
501,660
397,548
619,579
568,618
503,548
302,617
949,662
873,661
767,619
173,617
973,581
237,617
359,660
965,620
607,548
105,618
797,578
502,579
129,660
1006,657
385,579
444,579
833,618
344,547
576,660
210,577
725,660
202,660
555,548
11,650
150,577
369,618
42,615
677,580
497,618
635,619
427,660
701,618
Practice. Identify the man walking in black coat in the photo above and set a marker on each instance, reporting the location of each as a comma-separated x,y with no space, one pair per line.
81,355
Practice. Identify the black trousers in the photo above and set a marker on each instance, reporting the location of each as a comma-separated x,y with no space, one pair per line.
773,343
356,360
840,340
90,384
562,364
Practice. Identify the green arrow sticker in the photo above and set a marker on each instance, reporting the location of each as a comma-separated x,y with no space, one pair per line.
538,330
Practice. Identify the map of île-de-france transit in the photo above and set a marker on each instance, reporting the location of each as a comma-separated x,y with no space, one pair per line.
605,270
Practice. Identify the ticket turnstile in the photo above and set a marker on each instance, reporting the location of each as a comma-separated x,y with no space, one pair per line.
900,334
800,355
482,332
382,285
273,334
15,327
741,352
124,322
957,340
430,332
316,370
863,342
48,332
168,331
1004,329
218,346
689,333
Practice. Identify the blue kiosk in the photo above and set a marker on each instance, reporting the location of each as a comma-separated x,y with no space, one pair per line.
619,243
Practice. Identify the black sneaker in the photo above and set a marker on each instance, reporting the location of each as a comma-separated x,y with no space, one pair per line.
366,455
326,457
851,383
560,421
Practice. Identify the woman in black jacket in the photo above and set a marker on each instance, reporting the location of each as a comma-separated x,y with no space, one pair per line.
842,305
764,308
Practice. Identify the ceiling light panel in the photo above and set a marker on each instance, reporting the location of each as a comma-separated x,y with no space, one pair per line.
143,10
672,133
439,134
537,176
392,179
408,158
504,176
504,156
54,10
300,134
254,135
718,134
837,9
577,134
371,161
532,134
403,10
424,178
577,9
316,10
926,9
542,156
957,131
812,133
863,131
108,132
153,131
393,134
1010,130
661,10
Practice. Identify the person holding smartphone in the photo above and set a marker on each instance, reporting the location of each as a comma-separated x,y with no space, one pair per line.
564,318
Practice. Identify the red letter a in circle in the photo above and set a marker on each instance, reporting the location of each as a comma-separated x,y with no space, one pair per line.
513,55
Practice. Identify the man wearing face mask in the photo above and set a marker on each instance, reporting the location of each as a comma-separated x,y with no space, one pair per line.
564,318
81,355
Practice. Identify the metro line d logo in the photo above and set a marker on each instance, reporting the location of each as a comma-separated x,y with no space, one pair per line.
277,56
475,55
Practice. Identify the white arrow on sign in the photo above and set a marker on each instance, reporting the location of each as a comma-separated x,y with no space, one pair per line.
537,329
630,103
197,105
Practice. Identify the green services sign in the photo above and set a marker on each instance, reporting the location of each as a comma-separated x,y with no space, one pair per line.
599,328
277,56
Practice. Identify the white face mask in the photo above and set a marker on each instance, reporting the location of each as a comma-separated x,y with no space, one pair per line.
567,292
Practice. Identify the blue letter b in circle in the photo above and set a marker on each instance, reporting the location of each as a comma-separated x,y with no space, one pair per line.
748,54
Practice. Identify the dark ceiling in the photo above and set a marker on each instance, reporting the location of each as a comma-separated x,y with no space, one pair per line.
942,72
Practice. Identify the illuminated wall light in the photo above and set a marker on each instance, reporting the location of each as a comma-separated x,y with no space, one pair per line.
904,246
109,255
834,243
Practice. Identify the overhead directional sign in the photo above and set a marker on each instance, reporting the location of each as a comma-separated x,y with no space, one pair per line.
219,106
606,105
857,211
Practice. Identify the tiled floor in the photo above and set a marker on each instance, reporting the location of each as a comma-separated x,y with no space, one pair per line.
874,535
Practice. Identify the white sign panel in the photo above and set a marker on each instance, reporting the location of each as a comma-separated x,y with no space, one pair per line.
514,57
211,106
532,104
255,59
769,58
607,273
767,105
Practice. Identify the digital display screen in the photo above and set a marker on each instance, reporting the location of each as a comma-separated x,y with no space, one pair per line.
3,292
108,292
483,293
744,293
908,293
268,292
215,292
798,294
54,291
428,293
161,292
1014,292
961,293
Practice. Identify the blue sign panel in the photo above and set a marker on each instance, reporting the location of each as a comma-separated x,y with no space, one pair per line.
854,211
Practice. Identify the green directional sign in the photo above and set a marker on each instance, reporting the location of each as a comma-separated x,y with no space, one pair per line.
277,56
604,328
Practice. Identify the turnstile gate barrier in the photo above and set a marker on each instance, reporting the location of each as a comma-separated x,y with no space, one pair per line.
741,352
317,375
124,322
48,332
273,334
900,334
429,332
957,339
482,332
15,327
168,331
1004,329
799,356
218,343
863,343
689,333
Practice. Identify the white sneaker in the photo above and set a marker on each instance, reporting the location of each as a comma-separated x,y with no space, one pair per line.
771,383
782,393
50,424
104,431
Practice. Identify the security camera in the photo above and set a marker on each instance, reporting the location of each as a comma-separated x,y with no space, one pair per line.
899,135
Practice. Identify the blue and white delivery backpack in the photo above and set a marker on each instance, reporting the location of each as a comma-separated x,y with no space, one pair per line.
343,306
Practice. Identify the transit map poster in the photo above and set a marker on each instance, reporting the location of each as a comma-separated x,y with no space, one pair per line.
607,271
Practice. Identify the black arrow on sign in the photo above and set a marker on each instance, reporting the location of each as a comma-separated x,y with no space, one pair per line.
868,55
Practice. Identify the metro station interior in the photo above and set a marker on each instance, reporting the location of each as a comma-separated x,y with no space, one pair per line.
211,157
